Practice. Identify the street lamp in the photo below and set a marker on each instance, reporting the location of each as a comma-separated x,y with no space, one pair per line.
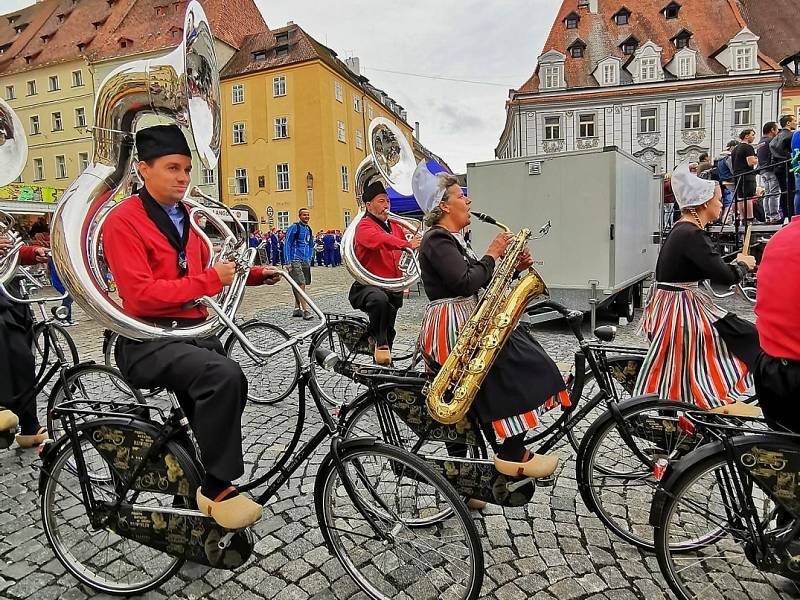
310,190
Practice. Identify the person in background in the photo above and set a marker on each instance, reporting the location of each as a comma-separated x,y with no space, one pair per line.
744,160
794,166
274,247
319,249
781,148
724,168
704,163
337,249
298,250
328,242
67,301
253,242
39,227
772,190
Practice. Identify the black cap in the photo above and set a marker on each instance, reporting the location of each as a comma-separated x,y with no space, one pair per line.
371,190
161,140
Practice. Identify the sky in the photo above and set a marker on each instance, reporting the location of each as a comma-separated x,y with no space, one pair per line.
426,45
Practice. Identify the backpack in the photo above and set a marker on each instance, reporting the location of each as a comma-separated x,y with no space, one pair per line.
725,168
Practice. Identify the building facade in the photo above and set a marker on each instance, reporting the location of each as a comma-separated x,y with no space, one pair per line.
660,80
294,130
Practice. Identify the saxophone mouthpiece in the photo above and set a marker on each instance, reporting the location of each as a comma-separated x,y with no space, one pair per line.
485,218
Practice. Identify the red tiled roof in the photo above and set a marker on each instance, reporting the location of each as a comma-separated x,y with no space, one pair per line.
775,22
66,25
712,23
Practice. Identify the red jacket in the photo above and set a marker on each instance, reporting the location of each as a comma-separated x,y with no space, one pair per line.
777,308
27,255
145,266
379,251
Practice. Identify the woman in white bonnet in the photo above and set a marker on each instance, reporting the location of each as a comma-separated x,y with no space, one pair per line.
699,352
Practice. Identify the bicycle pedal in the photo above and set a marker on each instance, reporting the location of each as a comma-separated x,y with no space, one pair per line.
545,481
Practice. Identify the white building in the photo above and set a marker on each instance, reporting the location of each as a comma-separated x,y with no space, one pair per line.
663,83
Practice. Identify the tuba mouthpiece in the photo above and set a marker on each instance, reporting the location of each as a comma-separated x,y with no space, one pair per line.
485,218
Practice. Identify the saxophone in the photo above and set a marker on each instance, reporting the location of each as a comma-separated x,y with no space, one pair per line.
455,386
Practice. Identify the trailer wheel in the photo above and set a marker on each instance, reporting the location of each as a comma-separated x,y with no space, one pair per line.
625,304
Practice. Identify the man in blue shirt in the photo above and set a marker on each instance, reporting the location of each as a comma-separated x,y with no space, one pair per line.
795,167
298,246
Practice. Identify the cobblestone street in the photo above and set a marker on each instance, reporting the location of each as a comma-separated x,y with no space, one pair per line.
551,548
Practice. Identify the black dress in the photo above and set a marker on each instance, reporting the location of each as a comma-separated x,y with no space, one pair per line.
523,377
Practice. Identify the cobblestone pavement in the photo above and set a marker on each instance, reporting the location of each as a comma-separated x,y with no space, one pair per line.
550,548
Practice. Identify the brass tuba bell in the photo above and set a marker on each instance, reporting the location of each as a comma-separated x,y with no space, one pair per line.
13,155
391,159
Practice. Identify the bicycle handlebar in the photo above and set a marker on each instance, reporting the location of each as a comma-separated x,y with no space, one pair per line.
574,318
329,360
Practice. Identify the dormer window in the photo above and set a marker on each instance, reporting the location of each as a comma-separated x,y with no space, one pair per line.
571,22
552,76
282,38
282,50
176,33
682,39
684,65
743,58
797,66
125,42
671,10
629,46
20,28
260,55
98,24
161,11
622,16
647,69
576,49
610,74
12,19
46,38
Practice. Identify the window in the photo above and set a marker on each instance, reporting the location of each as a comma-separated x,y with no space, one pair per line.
77,78
571,21
686,66
629,46
648,120
345,179
283,220
61,167
282,38
282,177
260,55
576,51
359,139
10,93
356,104
610,73
340,131
279,86
647,68
370,113
52,83
743,59
241,186
83,161
586,126
237,93
35,125
161,11
552,76
682,42
282,50
80,117
671,10
621,18
58,125
796,66
337,91
207,176
238,133
31,86
742,112
692,116
38,169
347,218
552,128
281,127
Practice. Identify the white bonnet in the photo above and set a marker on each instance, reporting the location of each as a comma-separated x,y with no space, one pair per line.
689,189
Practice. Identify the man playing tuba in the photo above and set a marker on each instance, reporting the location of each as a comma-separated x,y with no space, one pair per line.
159,264
378,243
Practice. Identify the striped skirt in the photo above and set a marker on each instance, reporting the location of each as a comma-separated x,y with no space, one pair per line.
688,360
441,324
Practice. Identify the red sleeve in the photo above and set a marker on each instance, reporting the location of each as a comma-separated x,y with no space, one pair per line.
135,278
27,255
256,276
374,238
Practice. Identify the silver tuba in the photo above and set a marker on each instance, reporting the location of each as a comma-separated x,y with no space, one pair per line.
391,159
13,155
184,86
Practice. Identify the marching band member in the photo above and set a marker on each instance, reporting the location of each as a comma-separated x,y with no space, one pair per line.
17,365
523,379
378,245
158,262
699,352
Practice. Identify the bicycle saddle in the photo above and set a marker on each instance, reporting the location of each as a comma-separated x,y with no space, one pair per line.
605,333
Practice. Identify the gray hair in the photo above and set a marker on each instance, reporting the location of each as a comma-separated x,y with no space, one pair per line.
437,214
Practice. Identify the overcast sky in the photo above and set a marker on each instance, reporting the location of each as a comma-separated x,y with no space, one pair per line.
491,41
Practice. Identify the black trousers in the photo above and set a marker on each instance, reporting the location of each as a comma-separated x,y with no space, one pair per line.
786,183
211,389
778,388
17,365
381,306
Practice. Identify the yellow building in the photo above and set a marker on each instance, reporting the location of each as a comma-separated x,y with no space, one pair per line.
295,119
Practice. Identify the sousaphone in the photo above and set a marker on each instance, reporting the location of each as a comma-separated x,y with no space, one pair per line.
13,155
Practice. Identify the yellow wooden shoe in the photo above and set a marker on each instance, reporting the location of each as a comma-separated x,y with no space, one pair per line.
738,409
383,356
231,513
33,440
541,465
8,420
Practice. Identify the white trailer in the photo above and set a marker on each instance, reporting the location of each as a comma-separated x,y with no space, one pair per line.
605,210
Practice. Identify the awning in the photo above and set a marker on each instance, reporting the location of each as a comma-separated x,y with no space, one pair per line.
408,204
15,207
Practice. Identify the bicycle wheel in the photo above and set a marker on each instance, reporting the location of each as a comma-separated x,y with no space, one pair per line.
623,371
97,556
49,340
615,477
349,340
392,558
703,544
272,379
87,385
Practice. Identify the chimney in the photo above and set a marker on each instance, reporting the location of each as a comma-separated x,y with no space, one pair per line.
593,8
416,130
354,64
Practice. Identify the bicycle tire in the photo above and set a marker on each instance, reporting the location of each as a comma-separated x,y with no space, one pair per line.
42,349
260,380
356,454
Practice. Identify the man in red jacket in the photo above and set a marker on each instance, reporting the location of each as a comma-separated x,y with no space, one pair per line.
159,265
17,365
777,368
379,244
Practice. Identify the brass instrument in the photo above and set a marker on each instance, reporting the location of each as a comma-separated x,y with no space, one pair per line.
451,393
13,155
391,159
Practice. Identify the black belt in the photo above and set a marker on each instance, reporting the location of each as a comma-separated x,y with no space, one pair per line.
173,322
669,288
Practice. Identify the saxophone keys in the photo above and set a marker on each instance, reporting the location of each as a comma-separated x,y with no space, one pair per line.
502,320
476,365
490,341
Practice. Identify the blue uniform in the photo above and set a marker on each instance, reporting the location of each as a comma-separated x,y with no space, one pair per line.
328,241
